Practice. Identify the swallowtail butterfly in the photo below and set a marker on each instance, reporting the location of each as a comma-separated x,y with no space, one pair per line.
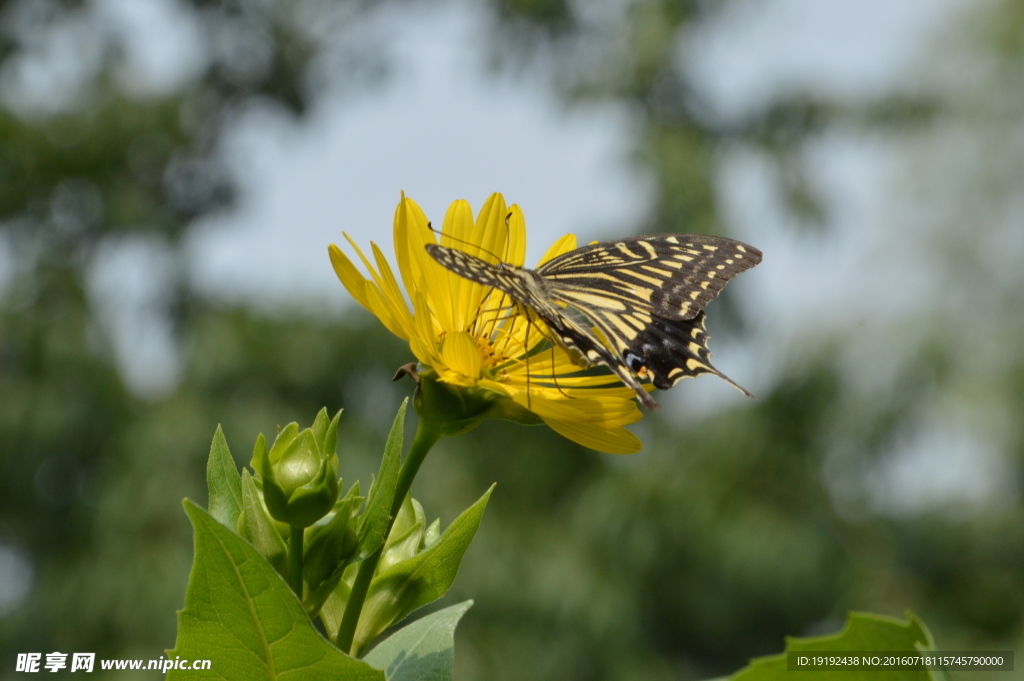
634,305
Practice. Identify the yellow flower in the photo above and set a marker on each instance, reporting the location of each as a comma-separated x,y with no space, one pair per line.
469,336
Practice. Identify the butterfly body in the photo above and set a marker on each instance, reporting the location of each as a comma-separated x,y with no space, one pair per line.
634,305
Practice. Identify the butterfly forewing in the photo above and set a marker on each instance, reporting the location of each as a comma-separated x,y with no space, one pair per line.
673,276
482,272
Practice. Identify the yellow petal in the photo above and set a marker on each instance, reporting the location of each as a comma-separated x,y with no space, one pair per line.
461,354
611,440
411,237
424,353
426,340
393,306
398,324
564,245
438,285
457,229
386,280
350,278
608,410
527,330
458,222
490,231
556,409
515,248
487,242
495,386
368,295
366,263
494,316
573,422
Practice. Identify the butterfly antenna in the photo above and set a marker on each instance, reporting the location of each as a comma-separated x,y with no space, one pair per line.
508,235
480,307
554,375
526,345
467,243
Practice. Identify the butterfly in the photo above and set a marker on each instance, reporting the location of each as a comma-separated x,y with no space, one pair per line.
634,305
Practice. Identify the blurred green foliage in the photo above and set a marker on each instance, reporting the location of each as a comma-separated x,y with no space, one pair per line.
681,562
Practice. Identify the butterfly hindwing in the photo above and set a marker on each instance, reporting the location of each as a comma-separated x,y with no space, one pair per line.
594,352
672,350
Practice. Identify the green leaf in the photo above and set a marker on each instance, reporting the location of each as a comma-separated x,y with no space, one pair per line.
422,651
411,584
329,447
432,534
410,515
319,427
863,632
283,441
403,548
317,596
374,523
257,528
260,461
330,543
223,482
333,607
243,618
316,599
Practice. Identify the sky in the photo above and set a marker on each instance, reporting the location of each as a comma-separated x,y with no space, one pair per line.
439,128
442,126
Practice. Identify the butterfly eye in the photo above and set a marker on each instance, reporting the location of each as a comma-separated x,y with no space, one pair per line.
634,362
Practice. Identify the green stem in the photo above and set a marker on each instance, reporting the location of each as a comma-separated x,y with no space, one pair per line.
295,548
425,438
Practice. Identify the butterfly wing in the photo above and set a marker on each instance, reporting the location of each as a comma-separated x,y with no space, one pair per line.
646,297
575,336
672,276
571,333
643,296
507,280
672,350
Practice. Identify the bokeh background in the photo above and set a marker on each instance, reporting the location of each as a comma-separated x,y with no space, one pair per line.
171,172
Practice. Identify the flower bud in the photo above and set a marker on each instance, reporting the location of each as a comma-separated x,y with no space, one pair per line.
406,537
300,472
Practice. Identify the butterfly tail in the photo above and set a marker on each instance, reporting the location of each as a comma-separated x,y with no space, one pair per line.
676,349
